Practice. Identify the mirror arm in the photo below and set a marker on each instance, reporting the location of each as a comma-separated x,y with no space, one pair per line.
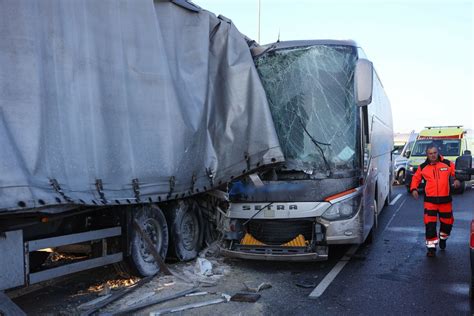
365,116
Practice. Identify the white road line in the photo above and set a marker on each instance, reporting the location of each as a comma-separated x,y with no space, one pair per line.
394,214
323,285
396,199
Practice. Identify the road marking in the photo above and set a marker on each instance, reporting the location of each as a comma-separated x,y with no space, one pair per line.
323,285
394,214
396,199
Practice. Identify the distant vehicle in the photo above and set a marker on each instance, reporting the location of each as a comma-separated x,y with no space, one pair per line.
400,159
450,141
334,123
464,171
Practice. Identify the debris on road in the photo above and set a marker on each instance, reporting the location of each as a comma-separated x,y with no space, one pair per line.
245,297
89,304
203,267
224,298
305,283
115,296
196,294
150,302
251,286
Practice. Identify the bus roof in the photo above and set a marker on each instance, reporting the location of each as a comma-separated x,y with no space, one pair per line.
290,44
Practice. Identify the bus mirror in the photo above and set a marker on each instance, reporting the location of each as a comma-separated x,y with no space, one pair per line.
464,167
363,82
407,154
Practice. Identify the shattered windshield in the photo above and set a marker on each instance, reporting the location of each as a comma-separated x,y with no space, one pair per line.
310,92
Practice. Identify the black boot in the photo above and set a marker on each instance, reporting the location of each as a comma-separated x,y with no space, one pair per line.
442,244
431,252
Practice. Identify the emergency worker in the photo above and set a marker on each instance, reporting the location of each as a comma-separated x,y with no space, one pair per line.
436,171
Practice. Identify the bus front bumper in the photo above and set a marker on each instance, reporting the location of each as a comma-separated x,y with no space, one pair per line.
269,254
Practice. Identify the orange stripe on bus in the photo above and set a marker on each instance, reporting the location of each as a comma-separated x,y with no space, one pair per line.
335,196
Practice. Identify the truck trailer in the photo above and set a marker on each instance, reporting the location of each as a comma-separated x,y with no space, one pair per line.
121,112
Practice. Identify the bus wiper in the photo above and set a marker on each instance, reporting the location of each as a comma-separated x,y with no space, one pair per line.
317,144
258,212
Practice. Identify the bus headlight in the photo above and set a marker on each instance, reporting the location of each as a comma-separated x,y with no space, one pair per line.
343,210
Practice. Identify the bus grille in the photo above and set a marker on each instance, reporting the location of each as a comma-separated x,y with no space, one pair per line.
277,232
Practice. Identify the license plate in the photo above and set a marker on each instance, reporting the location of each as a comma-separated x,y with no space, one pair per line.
269,213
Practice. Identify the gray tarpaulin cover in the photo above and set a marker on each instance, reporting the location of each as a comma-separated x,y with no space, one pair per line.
124,101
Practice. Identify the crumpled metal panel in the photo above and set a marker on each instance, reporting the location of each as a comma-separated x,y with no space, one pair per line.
311,96
124,101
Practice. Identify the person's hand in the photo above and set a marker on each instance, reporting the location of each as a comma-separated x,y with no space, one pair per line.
457,184
414,193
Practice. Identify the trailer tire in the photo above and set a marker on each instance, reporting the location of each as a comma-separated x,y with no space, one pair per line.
186,229
153,222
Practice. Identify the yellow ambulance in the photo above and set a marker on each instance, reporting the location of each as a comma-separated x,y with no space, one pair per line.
450,140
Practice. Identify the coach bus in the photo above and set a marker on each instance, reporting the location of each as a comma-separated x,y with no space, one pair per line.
334,123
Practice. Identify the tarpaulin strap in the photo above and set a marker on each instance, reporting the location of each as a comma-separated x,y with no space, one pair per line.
172,184
247,160
100,189
210,175
55,184
193,182
136,189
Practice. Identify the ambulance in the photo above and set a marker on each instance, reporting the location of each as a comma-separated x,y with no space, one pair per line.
451,142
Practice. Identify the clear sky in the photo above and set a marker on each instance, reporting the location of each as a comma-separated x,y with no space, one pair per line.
422,49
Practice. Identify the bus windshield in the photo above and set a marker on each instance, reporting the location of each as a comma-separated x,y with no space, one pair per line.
446,147
311,97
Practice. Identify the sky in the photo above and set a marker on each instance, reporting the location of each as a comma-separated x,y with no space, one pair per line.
423,50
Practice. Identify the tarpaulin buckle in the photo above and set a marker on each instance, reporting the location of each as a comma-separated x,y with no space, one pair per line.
136,189
55,184
100,189
210,175
172,184
193,182
247,160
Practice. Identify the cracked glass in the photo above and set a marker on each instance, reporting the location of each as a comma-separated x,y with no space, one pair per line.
311,96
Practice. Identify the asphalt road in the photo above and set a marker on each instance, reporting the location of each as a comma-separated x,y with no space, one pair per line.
391,276
396,277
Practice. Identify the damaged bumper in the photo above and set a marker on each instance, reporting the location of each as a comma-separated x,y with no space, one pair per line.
269,254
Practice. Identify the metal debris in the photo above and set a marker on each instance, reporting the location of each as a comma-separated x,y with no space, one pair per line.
245,297
224,298
251,286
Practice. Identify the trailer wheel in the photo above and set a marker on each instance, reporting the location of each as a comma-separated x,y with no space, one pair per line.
186,233
153,222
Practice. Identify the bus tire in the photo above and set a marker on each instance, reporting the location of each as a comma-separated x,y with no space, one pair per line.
185,228
153,222
371,237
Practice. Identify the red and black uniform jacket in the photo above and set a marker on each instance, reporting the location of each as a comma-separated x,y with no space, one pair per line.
436,176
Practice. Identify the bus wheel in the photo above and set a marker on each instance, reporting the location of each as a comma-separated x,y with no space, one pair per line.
371,237
153,223
186,233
